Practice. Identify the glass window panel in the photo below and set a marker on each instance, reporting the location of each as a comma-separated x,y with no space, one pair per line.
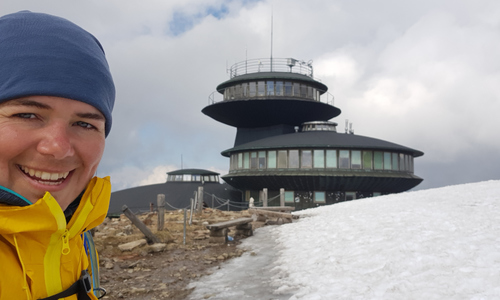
401,162
271,159
367,160
270,88
262,159
252,89
279,88
253,160
331,158
378,160
356,159
237,91
293,160
282,159
196,178
212,178
178,177
387,161
319,197
244,89
296,89
319,158
306,159
240,160
261,88
289,196
303,91
288,89
395,165
246,160
344,159
310,92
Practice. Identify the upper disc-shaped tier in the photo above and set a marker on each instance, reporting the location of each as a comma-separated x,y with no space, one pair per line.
266,95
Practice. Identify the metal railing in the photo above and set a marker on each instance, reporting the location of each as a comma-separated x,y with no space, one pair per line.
271,65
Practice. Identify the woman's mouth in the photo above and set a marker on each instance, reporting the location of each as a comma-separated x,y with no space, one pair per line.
45,177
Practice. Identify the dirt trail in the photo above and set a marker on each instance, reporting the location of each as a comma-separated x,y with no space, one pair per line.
147,272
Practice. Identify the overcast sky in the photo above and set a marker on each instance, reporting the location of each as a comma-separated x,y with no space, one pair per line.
423,74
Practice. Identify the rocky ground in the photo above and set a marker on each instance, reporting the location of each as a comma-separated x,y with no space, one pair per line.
132,269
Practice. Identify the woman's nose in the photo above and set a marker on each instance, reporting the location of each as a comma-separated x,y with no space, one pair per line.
56,141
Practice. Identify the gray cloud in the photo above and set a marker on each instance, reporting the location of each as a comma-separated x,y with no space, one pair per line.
423,74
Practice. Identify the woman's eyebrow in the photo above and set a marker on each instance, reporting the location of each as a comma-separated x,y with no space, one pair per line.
28,102
93,116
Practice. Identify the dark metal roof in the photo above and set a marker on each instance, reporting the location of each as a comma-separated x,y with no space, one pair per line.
322,139
193,172
176,195
274,76
256,112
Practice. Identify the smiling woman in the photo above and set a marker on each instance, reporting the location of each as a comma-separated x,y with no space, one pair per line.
56,98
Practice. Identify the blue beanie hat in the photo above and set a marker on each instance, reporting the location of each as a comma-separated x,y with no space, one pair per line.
45,55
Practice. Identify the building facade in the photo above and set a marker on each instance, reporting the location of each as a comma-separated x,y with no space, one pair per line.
285,140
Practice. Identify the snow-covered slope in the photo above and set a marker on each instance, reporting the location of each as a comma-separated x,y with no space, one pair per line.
433,244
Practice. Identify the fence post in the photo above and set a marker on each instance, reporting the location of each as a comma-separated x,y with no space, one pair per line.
143,228
200,199
282,197
264,196
160,199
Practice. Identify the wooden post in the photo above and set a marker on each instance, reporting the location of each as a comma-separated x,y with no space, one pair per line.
264,196
160,199
143,228
200,199
282,197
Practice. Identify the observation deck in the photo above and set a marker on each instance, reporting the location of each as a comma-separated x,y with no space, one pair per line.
268,92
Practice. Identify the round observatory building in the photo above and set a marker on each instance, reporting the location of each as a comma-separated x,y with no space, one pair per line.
285,140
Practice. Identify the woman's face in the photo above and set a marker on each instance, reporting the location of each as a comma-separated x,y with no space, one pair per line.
49,144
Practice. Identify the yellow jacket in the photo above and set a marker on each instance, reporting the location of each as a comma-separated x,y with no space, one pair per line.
41,255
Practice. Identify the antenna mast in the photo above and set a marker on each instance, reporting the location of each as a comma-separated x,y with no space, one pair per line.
271,40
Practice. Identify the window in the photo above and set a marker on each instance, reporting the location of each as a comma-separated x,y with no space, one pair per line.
319,158
395,166
401,162
303,91
331,158
350,196
240,160
367,160
253,160
344,161
261,88
262,159
271,160
306,159
289,196
378,160
293,159
282,161
246,160
356,159
252,86
244,89
288,89
319,197
270,88
310,92
206,178
279,88
213,178
237,91
387,161
296,89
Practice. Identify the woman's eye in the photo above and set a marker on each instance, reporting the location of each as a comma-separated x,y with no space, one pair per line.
85,125
25,115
